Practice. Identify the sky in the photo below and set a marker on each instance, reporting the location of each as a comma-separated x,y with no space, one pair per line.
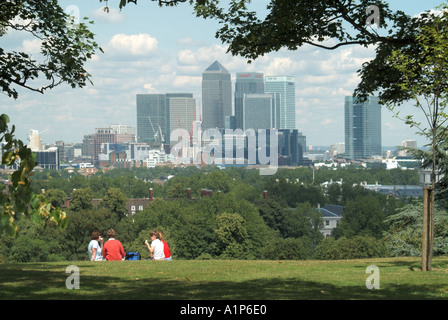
148,49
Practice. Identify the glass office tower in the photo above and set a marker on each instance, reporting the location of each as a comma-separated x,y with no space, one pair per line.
154,110
286,87
216,96
260,111
362,128
151,113
246,83
182,111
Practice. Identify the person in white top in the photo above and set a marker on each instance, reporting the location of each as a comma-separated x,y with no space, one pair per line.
156,247
95,246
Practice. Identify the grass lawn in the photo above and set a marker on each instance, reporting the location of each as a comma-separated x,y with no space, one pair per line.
400,278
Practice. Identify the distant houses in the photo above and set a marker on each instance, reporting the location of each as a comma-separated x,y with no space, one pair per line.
331,215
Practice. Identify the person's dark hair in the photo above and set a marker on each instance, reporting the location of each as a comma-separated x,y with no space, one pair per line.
111,233
95,235
155,233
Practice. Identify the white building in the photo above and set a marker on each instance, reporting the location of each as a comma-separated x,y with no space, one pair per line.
407,144
155,157
35,141
331,215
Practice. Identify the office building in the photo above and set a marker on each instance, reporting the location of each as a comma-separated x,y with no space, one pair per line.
260,111
337,149
246,83
181,111
124,129
216,96
407,144
35,141
102,136
291,147
286,87
48,159
87,146
151,114
362,128
158,115
125,133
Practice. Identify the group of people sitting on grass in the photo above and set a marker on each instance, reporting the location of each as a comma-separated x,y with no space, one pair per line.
112,249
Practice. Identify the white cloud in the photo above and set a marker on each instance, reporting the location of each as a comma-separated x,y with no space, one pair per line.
31,46
150,89
186,57
136,44
189,41
280,66
113,16
187,81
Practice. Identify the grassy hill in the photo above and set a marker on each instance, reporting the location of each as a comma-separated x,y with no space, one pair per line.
400,278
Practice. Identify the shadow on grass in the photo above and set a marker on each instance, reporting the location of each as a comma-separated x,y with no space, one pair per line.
47,282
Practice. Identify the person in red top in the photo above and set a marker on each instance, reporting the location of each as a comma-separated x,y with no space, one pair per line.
113,249
166,249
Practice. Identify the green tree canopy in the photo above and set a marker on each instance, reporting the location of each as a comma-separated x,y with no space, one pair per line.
81,199
65,47
231,236
362,217
403,235
115,201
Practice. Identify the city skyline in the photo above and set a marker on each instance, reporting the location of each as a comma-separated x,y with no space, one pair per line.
146,53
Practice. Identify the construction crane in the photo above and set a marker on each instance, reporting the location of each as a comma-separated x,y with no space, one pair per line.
162,138
181,139
153,130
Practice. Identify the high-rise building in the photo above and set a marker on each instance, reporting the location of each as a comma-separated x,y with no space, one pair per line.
362,128
87,146
182,113
260,111
286,87
61,148
35,141
291,147
179,107
216,96
102,135
246,83
151,113
155,115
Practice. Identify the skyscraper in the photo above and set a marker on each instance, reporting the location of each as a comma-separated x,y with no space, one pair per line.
182,111
362,128
216,96
286,87
151,113
260,111
154,115
246,83
35,141
179,106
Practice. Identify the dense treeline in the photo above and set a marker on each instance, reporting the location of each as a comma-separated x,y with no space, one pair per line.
239,223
